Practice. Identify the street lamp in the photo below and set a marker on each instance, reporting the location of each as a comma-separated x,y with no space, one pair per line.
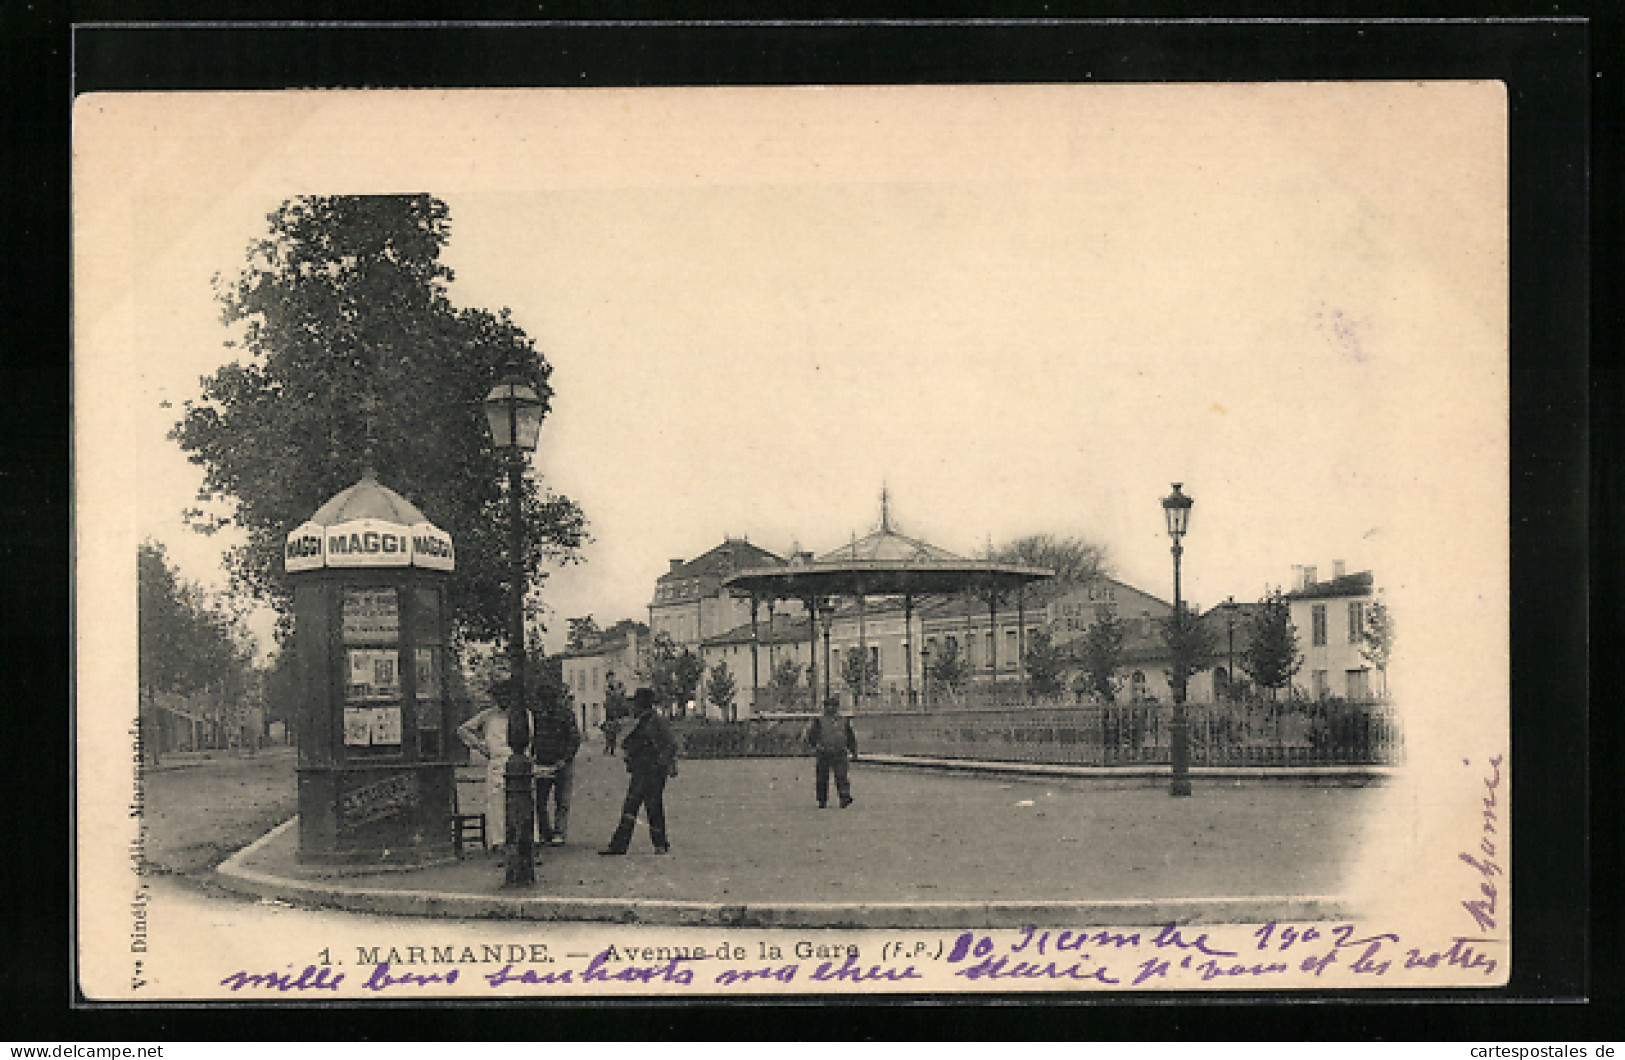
1177,508
925,677
515,415
1230,629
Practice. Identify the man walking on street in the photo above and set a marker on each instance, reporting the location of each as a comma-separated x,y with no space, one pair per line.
832,738
650,750
556,739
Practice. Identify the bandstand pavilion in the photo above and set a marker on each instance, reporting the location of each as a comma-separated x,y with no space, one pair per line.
884,563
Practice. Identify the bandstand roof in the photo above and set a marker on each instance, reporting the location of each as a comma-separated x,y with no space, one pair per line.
885,563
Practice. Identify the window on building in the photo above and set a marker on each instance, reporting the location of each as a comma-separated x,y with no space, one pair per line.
1010,650
1358,684
595,680
1318,684
1136,684
987,638
1317,624
1356,620
874,658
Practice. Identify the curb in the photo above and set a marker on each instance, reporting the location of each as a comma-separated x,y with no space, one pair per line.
233,874
1148,775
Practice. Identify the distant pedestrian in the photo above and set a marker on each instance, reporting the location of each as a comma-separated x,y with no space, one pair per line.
833,740
611,728
651,756
554,742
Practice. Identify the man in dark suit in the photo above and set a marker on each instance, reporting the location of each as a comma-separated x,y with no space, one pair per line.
650,751
832,738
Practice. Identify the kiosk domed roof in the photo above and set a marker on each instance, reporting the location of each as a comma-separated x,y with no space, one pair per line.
368,525
368,499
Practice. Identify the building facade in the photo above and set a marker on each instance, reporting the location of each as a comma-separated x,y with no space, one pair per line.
689,603
1330,617
587,672
783,640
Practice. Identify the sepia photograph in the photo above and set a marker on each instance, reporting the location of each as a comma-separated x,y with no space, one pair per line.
787,541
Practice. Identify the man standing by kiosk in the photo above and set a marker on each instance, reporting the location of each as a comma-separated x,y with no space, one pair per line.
556,739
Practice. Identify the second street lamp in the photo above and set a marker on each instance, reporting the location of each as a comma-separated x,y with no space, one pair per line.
515,415
1177,508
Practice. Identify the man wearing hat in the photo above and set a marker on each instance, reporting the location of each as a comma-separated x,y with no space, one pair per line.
554,742
832,739
650,751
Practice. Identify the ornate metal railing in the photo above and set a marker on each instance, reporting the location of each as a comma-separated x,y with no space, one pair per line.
1296,733
755,738
1223,734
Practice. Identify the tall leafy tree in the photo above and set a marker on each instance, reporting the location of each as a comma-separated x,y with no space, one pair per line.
185,642
1377,639
947,667
858,670
1046,664
352,354
785,681
1272,656
1188,641
584,633
1074,560
721,688
1103,656
674,672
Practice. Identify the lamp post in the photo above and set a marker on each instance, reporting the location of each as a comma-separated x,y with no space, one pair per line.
515,415
1230,629
925,677
1177,508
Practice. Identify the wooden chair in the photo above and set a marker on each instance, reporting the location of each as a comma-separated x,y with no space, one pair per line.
467,826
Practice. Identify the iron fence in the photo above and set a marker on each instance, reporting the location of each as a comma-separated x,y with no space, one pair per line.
1221,734
755,738
1289,733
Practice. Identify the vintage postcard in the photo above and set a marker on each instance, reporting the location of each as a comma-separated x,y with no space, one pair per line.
1021,504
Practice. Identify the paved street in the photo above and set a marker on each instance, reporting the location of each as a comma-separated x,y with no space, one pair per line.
748,831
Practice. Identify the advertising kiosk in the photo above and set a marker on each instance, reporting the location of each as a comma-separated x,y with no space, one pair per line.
376,735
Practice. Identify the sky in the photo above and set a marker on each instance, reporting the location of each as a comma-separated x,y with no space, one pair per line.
1019,309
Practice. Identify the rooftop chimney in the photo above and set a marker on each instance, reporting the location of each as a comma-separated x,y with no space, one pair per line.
675,563
1337,568
1297,576
1309,576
